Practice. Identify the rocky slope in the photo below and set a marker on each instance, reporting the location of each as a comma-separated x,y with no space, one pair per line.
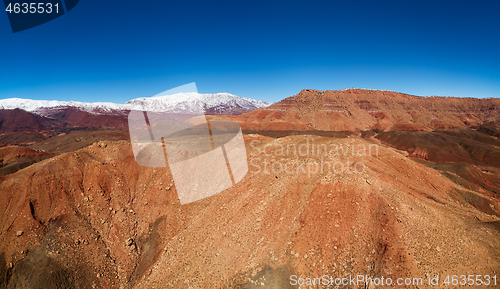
361,109
94,217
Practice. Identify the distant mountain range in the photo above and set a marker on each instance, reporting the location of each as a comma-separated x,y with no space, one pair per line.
331,110
219,103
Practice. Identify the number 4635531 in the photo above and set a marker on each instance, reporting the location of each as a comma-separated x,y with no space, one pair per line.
32,8
471,280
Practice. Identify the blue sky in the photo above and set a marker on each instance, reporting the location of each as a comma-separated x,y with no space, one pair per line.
118,50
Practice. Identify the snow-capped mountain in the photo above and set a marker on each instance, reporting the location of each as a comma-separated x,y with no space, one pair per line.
196,102
41,107
182,102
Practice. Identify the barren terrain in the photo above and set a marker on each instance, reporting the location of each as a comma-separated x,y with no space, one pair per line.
406,187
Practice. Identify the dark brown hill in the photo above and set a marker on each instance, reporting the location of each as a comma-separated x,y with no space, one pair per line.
18,120
75,117
19,127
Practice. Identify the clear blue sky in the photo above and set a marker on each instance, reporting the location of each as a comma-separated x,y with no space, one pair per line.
118,50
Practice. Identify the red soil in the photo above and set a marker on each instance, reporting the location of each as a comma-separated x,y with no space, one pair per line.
98,216
361,109
426,203
14,158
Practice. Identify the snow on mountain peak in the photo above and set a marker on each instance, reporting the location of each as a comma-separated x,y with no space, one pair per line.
196,102
180,102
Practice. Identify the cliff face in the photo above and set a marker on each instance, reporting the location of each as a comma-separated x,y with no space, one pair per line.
360,109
